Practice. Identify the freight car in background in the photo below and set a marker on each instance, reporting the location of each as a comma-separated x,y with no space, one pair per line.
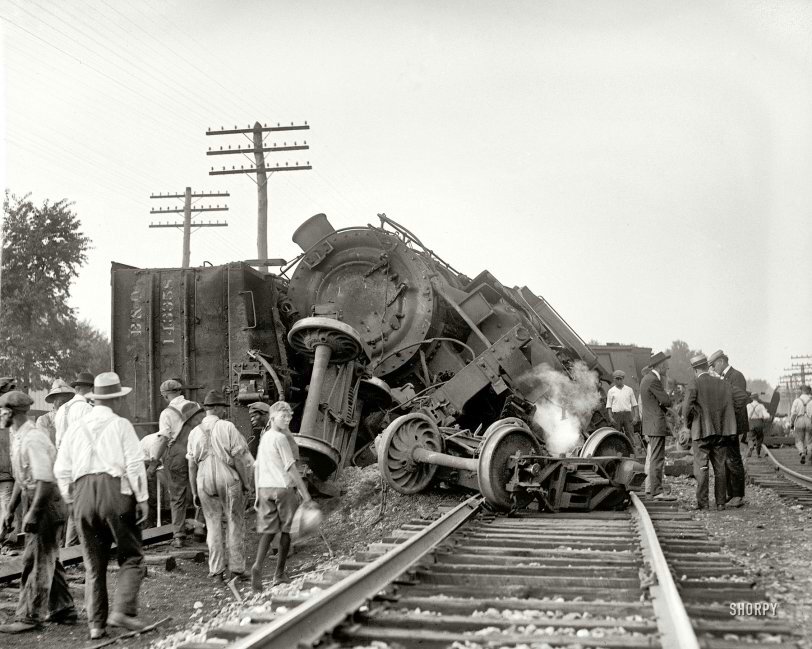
371,331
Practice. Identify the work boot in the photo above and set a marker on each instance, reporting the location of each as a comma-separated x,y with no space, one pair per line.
67,617
97,632
803,458
129,622
736,501
18,627
256,579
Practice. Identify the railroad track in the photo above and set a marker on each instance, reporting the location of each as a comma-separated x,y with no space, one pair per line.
781,471
645,577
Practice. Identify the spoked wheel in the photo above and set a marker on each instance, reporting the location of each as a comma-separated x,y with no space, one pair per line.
504,439
395,457
607,442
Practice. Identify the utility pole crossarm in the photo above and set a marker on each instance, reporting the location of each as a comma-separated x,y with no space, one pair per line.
254,170
216,224
194,209
195,195
262,129
246,150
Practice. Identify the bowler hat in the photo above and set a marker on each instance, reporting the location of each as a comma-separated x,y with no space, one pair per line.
658,358
107,385
171,385
715,356
698,360
214,398
259,406
619,374
58,387
16,400
82,378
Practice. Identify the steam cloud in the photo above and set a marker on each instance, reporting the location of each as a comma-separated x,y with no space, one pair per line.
564,405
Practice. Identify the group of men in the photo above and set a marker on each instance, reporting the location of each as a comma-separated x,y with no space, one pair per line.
85,464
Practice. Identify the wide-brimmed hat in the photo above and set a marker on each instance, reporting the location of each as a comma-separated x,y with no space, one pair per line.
7,383
16,400
619,374
658,358
699,359
214,398
82,378
715,356
58,387
259,406
107,385
171,385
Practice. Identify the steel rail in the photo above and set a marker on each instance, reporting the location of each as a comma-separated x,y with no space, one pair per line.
805,479
313,618
672,619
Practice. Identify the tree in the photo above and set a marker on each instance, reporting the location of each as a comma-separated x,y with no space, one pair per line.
680,364
91,351
42,251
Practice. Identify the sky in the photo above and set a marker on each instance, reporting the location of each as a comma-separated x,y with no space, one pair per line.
645,166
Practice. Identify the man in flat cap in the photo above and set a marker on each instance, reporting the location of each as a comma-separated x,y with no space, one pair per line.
174,425
655,403
621,407
100,469
221,475
708,412
44,592
733,458
60,394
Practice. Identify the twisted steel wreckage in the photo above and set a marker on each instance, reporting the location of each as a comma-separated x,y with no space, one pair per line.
468,380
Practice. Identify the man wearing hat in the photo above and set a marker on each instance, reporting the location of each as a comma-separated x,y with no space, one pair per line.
174,425
60,394
655,402
708,412
7,383
100,469
76,407
220,475
44,592
757,418
621,406
735,466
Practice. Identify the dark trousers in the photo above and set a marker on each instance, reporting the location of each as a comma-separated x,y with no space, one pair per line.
656,464
176,468
755,438
705,450
734,466
44,590
623,422
105,516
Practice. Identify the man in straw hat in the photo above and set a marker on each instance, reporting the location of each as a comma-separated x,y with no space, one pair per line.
708,412
220,475
60,394
44,592
655,402
100,469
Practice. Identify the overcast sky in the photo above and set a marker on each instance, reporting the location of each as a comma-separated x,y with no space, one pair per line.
645,166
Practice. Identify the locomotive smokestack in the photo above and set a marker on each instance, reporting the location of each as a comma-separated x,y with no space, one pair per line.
313,230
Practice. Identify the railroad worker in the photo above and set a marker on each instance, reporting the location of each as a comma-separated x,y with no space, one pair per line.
708,413
100,469
621,406
60,394
75,408
277,479
221,475
655,402
800,421
174,425
758,419
44,592
733,457
149,447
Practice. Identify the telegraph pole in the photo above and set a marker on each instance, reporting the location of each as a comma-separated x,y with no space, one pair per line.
187,210
803,366
258,133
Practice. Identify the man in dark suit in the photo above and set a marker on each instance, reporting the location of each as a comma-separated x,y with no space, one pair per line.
708,412
733,459
654,402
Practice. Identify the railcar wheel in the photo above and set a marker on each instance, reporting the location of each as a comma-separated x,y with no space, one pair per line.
343,340
607,442
397,445
504,439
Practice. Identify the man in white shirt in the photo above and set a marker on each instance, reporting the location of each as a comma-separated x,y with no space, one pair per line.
758,418
174,425
150,445
621,407
76,408
277,480
59,395
220,474
800,420
100,469
44,591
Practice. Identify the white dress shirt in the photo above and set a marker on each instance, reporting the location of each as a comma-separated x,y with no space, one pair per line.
33,457
102,442
68,414
620,399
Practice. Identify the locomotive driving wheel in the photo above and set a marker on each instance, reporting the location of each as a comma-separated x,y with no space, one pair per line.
396,453
503,440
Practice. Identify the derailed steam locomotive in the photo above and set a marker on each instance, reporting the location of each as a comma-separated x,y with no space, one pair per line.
374,332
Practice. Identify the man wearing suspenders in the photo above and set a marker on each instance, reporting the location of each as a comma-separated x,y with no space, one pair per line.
220,475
